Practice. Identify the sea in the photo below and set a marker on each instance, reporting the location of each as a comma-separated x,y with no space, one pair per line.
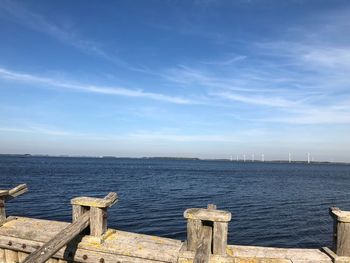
272,204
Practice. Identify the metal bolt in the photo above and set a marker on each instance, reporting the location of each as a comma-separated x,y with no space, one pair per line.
102,260
85,257
9,243
24,246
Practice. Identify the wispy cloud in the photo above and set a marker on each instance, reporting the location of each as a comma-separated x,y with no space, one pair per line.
304,83
230,60
257,100
38,23
118,91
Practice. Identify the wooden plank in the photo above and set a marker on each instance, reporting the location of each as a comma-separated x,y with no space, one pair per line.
22,256
4,192
98,221
108,201
73,254
61,239
2,255
135,245
16,191
203,250
8,219
220,238
132,245
194,227
32,229
208,215
11,256
299,255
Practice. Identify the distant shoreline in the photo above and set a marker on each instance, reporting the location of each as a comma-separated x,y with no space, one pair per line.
171,158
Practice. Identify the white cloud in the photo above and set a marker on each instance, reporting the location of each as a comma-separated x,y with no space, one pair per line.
119,91
261,100
226,62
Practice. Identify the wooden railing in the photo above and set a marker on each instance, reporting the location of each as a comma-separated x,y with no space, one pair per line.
7,195
87,239
86,211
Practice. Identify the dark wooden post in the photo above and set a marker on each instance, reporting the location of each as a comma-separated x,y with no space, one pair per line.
341,234
98,211
2,206
216,219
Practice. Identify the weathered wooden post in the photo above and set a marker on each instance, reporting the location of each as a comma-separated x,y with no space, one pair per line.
86,211
341,234
98,211
198,220
6,195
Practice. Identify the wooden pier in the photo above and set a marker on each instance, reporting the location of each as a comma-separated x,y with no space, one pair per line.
88,239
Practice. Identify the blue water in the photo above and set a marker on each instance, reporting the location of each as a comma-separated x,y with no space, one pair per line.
284,205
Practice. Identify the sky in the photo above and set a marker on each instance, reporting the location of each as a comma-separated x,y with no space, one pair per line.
207,79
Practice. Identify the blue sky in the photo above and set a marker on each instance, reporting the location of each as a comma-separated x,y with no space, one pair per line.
205,79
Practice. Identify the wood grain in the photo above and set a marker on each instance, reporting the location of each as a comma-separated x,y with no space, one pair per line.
203,250
220,232
61,239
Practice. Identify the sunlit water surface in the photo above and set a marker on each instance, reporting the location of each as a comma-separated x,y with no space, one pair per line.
284,205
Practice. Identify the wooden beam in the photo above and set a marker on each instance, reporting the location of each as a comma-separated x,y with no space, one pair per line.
208,214
61,239
107,201
204,245
78,253
6,195
16,191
